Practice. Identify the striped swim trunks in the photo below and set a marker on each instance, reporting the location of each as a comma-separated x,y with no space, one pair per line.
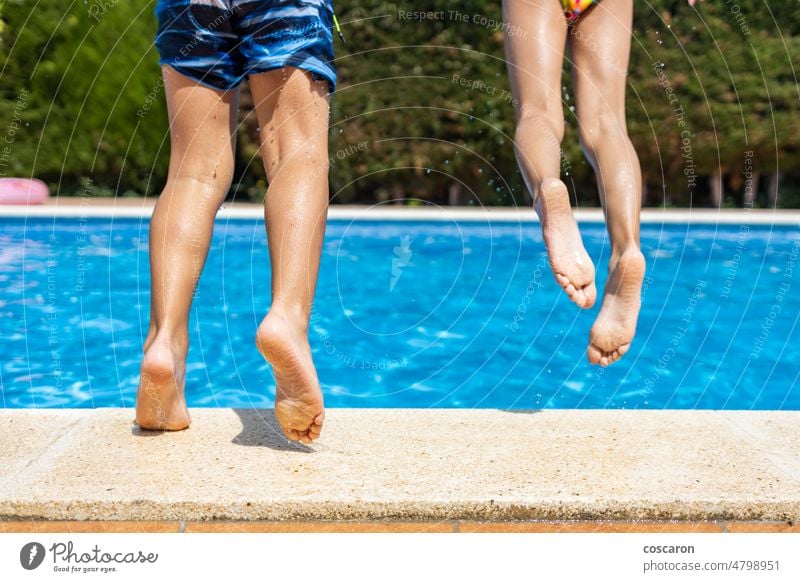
220,42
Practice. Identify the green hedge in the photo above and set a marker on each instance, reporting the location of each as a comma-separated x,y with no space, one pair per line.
83,106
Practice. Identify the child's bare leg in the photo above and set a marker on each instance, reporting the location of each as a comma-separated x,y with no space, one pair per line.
292,114
600,48
202,122
535,54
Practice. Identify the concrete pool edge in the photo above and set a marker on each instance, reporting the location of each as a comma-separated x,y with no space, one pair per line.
404,464
143,207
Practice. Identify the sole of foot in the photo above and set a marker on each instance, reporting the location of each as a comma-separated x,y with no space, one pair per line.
571,264
613,331
299,407
160,401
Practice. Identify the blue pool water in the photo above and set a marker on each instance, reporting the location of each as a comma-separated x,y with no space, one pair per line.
436,314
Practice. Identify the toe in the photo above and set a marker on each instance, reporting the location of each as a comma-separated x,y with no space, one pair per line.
565,283
619,352
320,418
562,280
593,354
577,294
590,292
580,297
292,434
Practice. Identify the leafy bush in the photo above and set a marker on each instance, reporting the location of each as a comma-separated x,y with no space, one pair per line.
422,110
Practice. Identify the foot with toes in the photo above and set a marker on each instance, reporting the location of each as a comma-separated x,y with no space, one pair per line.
299,405
571,264
160,401
613,331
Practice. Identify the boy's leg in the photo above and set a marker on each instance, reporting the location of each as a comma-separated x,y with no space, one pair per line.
535,40
202,127
292,111
600,50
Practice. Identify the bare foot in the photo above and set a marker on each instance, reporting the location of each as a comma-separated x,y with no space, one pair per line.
160,401
298,400
569,260
615,326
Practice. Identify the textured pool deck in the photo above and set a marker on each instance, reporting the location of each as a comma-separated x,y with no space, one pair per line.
436,466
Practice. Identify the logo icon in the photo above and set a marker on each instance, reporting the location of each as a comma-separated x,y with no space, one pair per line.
403,254
31,555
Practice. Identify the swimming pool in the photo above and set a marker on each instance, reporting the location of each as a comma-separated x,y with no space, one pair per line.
408,314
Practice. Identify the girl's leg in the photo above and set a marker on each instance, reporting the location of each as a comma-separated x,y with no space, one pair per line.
535,40
600,47
292,112
202,127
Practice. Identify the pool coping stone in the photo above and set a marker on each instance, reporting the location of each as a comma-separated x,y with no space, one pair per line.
431,465
87,207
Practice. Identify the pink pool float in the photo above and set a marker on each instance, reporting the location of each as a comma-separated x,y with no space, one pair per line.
23,191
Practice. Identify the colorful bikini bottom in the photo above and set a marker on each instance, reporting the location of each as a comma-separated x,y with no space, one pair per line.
574,8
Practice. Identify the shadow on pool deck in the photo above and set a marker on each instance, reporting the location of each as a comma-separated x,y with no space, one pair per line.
260,428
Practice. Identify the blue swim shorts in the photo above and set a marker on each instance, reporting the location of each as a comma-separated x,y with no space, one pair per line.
220,42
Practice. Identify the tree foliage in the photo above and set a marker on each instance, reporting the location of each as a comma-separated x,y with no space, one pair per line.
423,110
